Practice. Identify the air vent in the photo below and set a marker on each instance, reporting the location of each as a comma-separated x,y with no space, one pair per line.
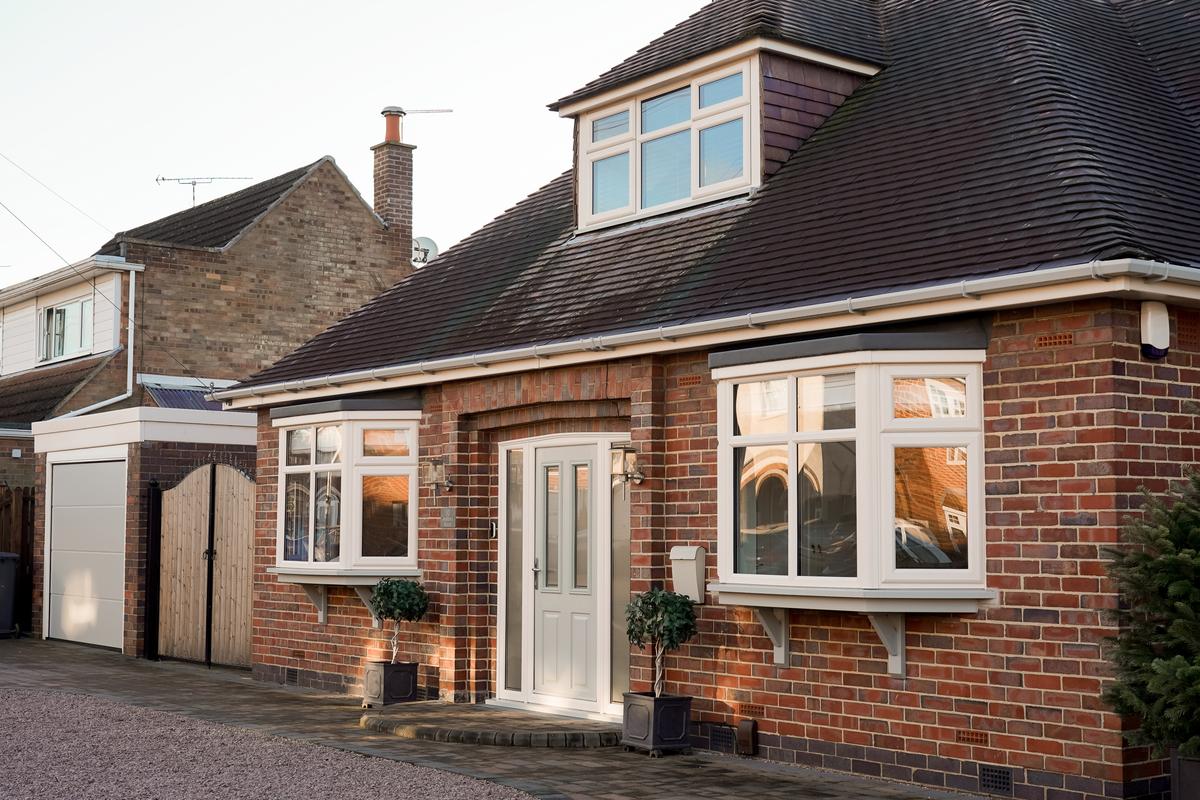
291,676
297,654
995,780
971,737
1187,331
751,711
1054,340
722,738
691,380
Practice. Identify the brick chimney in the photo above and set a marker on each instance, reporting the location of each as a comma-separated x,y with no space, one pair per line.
394,185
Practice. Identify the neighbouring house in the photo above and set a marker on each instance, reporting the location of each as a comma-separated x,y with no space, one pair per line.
108,364
890,307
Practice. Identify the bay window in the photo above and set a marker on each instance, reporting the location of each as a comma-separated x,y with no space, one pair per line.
858,471
669,147
348,487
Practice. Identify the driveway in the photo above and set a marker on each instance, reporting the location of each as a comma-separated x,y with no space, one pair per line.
176,704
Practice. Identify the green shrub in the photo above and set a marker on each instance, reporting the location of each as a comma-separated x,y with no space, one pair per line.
399,601
1157,650
662,620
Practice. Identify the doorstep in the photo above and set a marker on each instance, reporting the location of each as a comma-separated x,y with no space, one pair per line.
478,724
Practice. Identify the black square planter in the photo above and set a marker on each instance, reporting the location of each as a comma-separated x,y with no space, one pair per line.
385,683
656,725
1185,777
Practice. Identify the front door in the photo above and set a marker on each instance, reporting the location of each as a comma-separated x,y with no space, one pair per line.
565,619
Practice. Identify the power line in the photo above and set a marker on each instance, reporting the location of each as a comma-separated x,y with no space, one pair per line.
95,290
35,179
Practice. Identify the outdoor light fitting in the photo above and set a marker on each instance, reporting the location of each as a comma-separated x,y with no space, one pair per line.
433,472
625,463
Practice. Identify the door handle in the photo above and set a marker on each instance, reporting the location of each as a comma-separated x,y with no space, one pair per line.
536,569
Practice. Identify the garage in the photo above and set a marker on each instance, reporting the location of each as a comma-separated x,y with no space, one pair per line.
87,552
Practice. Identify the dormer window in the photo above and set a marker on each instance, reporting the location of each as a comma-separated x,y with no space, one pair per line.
670,147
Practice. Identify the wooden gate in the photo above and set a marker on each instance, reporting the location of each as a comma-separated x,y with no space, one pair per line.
206,562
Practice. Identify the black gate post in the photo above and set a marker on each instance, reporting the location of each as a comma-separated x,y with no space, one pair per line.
153,566
209,555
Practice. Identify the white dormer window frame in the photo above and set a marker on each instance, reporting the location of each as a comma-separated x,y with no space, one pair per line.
628,148
65,330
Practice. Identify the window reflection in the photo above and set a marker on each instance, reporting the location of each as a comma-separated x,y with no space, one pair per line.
929,398
761,513
826,497
327,517
760,408
385,516
931,508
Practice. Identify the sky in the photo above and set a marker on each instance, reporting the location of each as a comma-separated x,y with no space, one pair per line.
99,99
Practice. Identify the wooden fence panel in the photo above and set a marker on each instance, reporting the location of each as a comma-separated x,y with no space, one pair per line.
233,567
183,570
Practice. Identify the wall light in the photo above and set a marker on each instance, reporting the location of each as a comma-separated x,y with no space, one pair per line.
433,473
625,463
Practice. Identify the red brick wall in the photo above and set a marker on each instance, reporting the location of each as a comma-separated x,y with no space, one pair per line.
18,471
1075,423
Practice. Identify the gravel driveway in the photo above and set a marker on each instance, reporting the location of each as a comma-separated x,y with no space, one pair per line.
75,747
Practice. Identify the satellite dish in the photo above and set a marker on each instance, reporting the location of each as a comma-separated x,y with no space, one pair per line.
424,251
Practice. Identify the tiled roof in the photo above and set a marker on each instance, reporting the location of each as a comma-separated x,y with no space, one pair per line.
35,394
1004,136
217,222
842,27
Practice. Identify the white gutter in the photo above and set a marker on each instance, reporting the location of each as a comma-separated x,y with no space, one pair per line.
82,270
16,433
971,289
128,393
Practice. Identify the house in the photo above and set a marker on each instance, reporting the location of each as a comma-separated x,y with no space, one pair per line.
889,307
108,364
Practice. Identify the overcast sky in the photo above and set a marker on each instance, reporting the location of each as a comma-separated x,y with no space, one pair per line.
97,99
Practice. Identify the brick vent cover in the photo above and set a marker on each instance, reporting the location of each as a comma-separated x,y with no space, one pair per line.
971,737
997,780
722,738
1054,340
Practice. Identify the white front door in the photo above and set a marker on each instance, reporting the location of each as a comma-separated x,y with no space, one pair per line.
565,629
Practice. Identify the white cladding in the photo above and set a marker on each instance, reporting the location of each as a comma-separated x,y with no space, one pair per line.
20,323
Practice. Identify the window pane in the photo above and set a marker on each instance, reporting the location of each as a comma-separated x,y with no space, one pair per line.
666,169
583,516
621,587
610,126
327,517
931,508
514,569
760,408
760,512
385,442
299,447
825,402
929,398
385,516
720,90
667,109
553,523
610,183
295,518
721,153
826,506
85,334
329,444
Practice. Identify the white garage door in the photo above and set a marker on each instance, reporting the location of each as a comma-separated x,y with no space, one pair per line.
87,552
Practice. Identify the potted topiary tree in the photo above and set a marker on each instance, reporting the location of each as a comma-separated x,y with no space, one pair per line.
387,682
1157,648
653,721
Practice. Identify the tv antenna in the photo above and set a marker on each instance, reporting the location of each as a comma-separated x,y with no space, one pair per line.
160,180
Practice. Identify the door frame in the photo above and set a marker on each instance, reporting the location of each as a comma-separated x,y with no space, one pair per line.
603,704
82,455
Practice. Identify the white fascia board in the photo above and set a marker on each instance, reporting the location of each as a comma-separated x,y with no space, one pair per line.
79,272
1129,277
181,382
711,61
145,424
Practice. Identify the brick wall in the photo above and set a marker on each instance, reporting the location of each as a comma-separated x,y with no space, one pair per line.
1076,421
19,471
165,462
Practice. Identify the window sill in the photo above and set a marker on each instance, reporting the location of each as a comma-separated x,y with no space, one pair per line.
316,583
915,600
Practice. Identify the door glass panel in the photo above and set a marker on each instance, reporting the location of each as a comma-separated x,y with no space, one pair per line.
827,512
385,516
931,508
327,517
761,510
299,447
621,589
553,528
721,153
514,572
929,398
583,516
295,517
666,169
760,407
329,444
385,443
825,402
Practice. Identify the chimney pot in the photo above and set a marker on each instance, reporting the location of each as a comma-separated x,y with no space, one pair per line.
394,124
393,187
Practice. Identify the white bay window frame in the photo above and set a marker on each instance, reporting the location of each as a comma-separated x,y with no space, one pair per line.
354,466
877,434
747,108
